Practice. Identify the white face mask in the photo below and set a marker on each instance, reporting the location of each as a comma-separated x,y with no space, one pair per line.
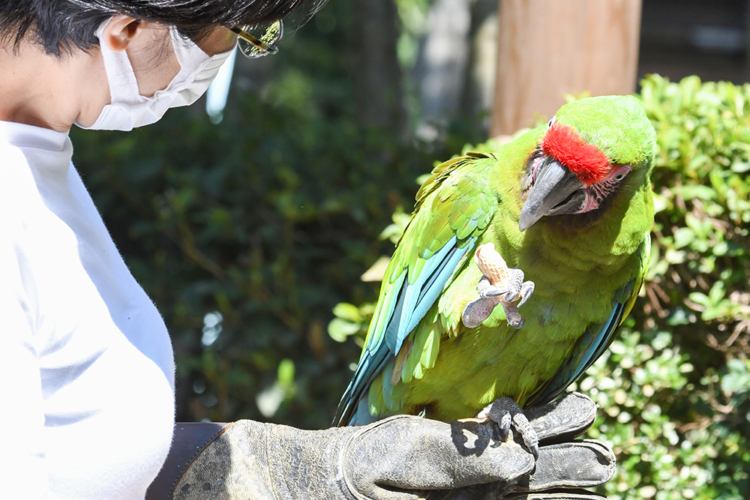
129,109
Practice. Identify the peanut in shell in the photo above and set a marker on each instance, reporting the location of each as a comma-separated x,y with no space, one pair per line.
493,266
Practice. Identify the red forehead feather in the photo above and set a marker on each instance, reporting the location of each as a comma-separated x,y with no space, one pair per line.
585,160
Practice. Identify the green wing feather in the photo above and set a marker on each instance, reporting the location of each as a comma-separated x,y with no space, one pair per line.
453,208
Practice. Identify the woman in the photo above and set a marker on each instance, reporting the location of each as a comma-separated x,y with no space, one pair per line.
86,361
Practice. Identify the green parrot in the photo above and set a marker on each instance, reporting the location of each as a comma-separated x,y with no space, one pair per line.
569,205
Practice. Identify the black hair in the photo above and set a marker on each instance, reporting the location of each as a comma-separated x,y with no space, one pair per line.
63,25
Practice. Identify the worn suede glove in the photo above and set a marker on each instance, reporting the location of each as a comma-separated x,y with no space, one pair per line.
399,458
564,466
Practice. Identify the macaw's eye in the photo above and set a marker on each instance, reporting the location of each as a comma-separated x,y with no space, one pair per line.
619,173
551,122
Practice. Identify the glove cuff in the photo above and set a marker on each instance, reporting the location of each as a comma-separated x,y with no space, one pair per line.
266,461
233,465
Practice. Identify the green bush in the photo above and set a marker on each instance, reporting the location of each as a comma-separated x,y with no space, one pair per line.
682,431
674,388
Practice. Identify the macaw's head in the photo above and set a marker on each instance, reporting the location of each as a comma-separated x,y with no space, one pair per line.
589,150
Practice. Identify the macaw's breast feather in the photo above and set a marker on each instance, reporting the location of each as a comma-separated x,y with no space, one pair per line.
596,339
454,207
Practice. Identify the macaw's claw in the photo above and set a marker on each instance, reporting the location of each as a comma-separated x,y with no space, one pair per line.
485,289
514,283
512,315
507,414
527,289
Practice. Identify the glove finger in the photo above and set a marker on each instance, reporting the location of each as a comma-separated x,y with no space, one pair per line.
579,464
558,495
563,419
476,460
409,453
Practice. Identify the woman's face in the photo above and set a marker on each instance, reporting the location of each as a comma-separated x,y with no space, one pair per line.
151,55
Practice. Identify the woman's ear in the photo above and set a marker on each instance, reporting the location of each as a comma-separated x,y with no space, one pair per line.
120,31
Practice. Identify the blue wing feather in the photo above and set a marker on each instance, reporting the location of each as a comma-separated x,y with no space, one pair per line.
421,295
414,300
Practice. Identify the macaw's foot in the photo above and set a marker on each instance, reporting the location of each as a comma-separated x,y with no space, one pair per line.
511,291
506,414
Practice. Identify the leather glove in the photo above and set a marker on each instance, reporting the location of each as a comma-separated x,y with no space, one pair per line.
399,458
564,466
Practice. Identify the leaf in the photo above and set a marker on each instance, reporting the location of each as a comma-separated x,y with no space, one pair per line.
721,248
699,299
286,372
340,329
347,312
376,271
701,192
683,237
738,378
660,203
716,293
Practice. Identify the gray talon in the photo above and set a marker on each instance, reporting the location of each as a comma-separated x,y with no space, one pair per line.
504,424
518,324
527,289
530,439
516,282
486,289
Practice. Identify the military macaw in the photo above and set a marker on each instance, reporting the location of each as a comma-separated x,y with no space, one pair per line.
569,204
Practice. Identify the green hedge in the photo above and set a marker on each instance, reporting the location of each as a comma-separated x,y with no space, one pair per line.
674,388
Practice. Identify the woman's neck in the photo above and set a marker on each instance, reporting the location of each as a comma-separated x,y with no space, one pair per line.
50,92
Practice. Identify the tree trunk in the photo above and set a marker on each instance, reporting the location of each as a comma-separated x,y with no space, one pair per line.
481,70
442,66
379,75
548,48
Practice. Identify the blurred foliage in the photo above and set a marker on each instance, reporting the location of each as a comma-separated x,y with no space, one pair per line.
674,389
413,17
247,233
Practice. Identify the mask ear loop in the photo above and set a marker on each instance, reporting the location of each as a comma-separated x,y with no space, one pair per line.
189,56
197,69
123,84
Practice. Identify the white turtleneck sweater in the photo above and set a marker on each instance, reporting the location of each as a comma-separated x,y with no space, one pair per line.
86,365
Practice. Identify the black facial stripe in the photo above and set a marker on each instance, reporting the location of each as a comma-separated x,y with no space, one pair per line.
603,189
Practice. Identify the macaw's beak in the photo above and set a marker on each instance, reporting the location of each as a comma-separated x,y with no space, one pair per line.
556,191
